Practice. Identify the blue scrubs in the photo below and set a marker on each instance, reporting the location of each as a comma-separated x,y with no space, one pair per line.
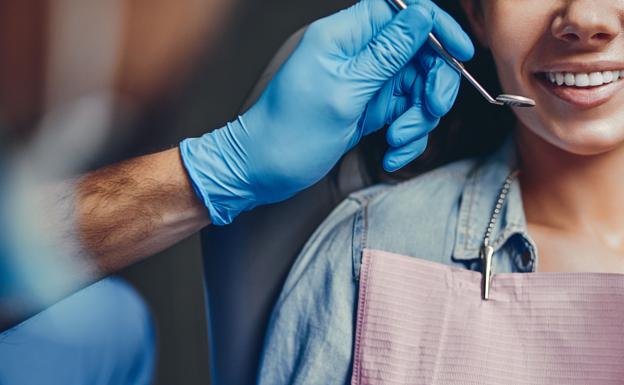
101,335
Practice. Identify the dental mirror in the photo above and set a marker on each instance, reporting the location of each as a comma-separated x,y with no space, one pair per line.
501,100
515,100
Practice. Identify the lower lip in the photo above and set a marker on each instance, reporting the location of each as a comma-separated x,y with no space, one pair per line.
583,97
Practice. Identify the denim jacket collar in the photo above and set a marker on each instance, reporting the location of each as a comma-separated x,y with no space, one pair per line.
477,203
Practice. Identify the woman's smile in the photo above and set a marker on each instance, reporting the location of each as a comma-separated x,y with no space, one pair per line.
582,85
567,56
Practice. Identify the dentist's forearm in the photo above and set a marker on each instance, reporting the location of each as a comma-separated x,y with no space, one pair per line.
96,225
136,208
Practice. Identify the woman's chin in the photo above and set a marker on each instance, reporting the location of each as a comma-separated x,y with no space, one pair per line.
588,142
580,140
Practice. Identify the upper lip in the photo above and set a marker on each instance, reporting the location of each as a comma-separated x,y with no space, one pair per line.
584,67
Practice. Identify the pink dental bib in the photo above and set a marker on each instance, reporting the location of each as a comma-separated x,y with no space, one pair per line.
420,322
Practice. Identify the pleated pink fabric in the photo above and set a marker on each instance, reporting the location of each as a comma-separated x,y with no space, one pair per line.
420,322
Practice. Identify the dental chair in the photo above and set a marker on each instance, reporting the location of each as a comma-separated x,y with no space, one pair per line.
246,263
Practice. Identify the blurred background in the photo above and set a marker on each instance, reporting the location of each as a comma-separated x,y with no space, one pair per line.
122,78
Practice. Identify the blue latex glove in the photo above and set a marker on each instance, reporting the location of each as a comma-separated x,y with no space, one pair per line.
352,73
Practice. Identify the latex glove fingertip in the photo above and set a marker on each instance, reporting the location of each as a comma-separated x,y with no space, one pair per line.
397,158
391,163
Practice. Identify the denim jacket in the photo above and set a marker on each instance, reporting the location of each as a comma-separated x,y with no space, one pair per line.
440,216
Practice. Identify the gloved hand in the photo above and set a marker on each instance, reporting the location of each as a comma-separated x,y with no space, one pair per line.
352,73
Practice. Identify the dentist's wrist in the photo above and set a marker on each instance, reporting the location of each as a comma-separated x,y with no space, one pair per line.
216,166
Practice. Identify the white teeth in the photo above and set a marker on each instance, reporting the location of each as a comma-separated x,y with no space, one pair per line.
592,79
595,79
607,76
582,80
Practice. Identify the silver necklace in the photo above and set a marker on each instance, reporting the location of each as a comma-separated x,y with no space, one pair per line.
487,251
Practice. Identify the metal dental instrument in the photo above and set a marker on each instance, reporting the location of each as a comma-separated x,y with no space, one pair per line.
501,100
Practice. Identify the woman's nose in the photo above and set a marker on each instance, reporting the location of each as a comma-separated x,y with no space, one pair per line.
588,23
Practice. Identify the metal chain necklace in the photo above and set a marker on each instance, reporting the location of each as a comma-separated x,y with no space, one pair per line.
487,251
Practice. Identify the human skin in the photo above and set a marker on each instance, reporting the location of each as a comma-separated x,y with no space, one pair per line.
95,225
571,152
135,209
